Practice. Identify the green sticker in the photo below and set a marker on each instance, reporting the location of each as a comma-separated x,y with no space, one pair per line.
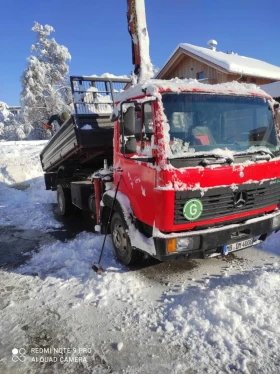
192,209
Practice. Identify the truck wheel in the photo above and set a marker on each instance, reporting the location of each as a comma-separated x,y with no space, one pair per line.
121,242
64,201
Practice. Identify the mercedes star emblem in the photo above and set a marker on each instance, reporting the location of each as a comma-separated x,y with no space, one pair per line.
240,199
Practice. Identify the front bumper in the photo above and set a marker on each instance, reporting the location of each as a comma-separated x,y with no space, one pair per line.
210,242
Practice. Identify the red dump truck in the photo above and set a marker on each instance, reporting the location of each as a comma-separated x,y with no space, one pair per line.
198,165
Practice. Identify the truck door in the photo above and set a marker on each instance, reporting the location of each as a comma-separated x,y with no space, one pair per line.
138,169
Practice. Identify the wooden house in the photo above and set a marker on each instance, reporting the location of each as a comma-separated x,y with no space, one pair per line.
211,66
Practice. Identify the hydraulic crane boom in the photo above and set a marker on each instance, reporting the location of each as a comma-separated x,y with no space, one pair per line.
137,27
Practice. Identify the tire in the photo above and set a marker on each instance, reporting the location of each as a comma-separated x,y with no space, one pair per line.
121,242
64,201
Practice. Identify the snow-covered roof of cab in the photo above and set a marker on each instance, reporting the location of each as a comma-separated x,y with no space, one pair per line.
154,87
228,62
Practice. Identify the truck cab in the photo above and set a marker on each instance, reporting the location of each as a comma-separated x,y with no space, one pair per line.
199,167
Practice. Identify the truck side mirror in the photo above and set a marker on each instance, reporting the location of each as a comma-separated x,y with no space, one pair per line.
128,122
129,146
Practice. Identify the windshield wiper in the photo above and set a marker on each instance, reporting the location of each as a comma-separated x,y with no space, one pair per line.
204,155
206,158
258,154
217,161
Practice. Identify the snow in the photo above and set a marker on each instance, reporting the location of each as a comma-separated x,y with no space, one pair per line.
154,86
231,62
141,38
90,100
22,187
273,89
137,239
11,126
232,323
220,316
4,111
86,127
87,102
109,75
45,82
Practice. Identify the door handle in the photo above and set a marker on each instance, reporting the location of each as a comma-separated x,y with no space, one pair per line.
119,170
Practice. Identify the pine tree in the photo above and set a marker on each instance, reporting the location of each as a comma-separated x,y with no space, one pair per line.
45,86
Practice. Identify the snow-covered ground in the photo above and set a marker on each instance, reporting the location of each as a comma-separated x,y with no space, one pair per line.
204,316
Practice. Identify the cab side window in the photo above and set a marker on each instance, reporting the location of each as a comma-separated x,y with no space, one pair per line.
147,130
138,125
143,126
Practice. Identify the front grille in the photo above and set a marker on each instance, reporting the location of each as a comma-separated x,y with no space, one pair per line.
221,201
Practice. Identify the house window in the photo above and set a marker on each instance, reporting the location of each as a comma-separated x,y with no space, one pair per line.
200,75
253,80
243,79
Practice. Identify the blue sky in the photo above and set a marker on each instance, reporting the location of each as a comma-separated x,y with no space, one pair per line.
95,32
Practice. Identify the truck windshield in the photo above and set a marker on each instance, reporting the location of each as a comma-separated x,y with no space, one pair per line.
204,122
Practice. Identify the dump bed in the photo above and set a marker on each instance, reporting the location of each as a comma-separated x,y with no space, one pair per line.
88,133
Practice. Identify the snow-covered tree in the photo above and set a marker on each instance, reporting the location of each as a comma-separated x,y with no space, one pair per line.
45,85
11,125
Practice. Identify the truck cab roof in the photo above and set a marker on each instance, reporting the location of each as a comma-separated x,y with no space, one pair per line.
154,87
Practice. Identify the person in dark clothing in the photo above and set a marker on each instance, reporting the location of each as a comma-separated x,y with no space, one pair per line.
60,119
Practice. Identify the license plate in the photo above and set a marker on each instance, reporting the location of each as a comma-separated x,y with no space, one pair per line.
239,245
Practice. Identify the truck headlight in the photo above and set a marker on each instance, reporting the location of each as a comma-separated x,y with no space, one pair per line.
276,222
184,244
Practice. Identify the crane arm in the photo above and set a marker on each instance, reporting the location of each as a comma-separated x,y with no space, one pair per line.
137,27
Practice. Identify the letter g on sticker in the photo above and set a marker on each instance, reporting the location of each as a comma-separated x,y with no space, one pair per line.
193,209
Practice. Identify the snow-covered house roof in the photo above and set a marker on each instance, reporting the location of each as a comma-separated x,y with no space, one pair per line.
273,89
228,62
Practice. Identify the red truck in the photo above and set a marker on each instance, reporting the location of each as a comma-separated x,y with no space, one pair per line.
198,165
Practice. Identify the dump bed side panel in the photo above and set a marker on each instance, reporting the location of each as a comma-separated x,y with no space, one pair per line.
93,137
60,145
94,131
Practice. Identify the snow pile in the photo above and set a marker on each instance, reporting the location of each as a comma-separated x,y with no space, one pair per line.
19,161
23,199
229,323
91,101
71,263
232,326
